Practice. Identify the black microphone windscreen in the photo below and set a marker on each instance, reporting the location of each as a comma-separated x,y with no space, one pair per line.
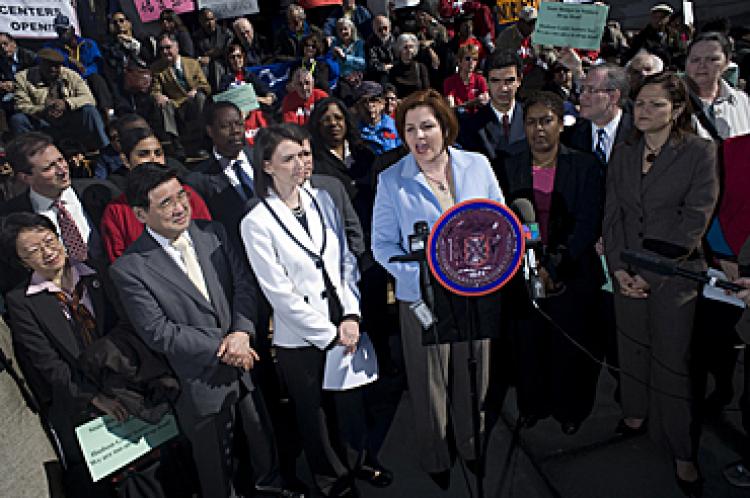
524,210
655,264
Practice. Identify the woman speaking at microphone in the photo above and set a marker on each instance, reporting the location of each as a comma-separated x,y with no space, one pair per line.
565,188
662,187
420,187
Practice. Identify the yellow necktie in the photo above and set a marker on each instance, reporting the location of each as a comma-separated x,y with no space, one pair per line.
192,266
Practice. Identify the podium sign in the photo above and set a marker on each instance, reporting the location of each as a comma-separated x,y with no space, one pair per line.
475,247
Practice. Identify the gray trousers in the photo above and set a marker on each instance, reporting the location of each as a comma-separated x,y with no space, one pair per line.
653,337
429,397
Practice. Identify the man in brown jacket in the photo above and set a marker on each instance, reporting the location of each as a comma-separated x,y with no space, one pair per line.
180,90
57,100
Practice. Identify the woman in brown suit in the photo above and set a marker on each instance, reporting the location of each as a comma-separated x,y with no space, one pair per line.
662,186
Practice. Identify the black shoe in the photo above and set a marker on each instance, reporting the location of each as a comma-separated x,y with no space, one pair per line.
375,475
624,429
270,491
691,489
570,428
442,479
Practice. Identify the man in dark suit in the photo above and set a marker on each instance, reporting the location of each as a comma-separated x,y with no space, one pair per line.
496,130
605,123
75,207
190,298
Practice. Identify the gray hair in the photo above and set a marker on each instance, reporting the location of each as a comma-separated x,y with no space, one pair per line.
345,21
658,63
616,79
403,39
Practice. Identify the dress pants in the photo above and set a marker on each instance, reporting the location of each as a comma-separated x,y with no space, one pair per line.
425,366
331,423
84,125
654,340
211,439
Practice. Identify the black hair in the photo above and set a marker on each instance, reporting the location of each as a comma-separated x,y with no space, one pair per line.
212,110
69,147
718,37
171,15
131,137
502,59
143,179
21,148
313,123
550,100
13,224
125,122
266,142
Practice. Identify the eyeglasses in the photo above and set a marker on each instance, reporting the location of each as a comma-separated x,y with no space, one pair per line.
169,203
49,242
592,89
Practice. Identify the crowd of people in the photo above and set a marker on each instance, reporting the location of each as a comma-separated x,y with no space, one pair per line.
164,250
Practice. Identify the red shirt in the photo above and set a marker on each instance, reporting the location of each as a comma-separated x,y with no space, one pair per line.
296,110
454,85
120,227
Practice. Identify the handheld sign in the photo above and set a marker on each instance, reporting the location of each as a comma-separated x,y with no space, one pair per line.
475,247
570,25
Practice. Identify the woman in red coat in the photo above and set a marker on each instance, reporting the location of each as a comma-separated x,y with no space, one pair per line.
119,226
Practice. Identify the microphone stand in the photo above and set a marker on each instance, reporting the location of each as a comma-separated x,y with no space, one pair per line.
476,421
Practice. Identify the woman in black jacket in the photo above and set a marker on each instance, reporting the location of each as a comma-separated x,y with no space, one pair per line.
565,188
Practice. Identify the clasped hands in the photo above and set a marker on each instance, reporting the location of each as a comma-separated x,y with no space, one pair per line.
633,286
55,108
235,351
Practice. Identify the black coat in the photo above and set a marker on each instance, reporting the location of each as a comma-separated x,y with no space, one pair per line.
575,216
579,136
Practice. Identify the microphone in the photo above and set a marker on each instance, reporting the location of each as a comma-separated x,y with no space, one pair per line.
668,267
525,211
417,243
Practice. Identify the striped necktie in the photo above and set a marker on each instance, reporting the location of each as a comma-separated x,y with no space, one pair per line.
601,143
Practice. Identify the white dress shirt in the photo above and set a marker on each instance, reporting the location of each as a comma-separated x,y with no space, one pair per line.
43,205
173,253
610,132
229,172
501,114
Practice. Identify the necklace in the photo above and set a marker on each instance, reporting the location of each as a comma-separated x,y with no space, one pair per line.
440,184
299,211
651,153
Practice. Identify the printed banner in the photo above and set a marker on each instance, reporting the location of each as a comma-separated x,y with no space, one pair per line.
149,10
507,10
224,9
109,445
33,18
570,25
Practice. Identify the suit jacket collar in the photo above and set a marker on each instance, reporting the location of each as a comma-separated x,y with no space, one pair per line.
164,266
312,241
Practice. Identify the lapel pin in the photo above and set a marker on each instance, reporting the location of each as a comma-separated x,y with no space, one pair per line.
95,283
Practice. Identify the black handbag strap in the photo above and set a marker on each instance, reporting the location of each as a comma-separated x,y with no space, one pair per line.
335,308
700,113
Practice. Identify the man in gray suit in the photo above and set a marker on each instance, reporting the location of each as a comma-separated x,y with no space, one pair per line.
190,298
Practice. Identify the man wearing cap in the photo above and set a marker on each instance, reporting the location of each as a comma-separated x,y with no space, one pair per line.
56,99
516,36
655,32
377,129
82,55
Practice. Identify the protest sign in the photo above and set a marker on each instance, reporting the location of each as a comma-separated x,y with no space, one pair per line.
224,9
149,10
687,13
109,445
243,96
570,25
507,10
33,18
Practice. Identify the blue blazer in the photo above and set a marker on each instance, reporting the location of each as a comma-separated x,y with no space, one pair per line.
403,197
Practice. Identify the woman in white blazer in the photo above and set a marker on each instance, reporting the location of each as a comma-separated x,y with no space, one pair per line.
420,187
295,241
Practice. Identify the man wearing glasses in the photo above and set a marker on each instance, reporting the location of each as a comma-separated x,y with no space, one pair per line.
604,92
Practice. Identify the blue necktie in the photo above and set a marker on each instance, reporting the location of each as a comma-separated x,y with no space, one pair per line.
601,141
245,187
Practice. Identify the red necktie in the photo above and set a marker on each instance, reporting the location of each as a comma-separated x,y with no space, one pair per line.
71,236
506,127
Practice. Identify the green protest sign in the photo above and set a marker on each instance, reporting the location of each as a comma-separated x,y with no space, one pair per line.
570,25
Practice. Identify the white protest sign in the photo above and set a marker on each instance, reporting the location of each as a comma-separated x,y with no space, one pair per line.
570,25
224,9
33,18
